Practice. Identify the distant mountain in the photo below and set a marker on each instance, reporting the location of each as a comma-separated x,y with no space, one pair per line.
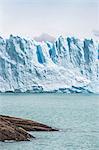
65,65
45,37
96,33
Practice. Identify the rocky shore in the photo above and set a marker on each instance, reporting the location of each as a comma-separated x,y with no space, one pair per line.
12,128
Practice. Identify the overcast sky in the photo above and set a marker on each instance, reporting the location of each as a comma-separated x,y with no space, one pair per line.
56,17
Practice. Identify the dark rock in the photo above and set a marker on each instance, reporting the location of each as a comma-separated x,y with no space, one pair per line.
12,128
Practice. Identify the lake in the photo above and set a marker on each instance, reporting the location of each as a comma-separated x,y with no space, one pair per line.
77,117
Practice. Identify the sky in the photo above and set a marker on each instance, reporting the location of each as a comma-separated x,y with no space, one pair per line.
31,18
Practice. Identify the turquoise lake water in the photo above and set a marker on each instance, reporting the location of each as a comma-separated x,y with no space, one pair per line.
77,117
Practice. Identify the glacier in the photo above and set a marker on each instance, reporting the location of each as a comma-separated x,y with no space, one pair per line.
68,65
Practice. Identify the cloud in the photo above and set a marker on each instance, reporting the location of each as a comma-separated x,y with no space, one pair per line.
44,37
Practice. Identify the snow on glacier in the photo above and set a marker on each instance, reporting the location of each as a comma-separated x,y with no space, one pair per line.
67,65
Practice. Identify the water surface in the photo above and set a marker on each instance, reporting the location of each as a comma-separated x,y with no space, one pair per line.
76,115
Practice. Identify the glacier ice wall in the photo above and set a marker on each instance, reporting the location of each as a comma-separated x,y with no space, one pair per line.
67,65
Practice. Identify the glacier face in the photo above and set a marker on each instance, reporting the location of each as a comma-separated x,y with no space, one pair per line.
67,65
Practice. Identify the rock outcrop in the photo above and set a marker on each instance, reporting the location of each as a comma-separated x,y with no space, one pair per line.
12,128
